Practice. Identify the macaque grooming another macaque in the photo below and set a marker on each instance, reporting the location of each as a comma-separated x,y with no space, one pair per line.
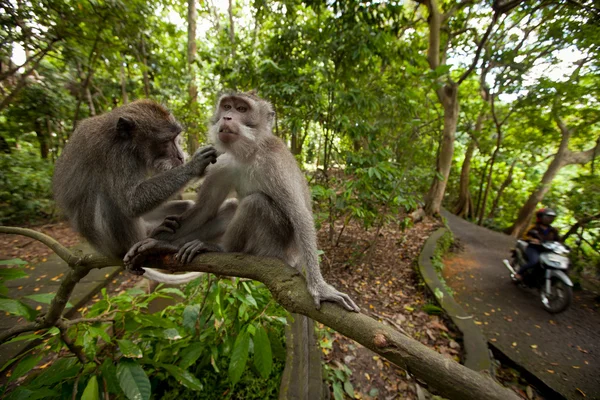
116,174
274,216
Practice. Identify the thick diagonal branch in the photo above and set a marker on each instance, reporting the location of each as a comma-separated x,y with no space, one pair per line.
288,288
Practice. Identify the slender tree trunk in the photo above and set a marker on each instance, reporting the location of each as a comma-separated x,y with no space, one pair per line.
42,140
231,28
489,181
145,69
480,191
123,82
448,96
563,157
192,89
90,100
464,206
580,223
505,184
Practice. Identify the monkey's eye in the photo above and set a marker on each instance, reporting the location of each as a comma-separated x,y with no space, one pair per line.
242,109
227,106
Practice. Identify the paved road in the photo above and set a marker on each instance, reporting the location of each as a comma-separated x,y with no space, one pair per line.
563,350
45,277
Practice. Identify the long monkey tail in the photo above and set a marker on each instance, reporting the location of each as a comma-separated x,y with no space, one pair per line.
171,279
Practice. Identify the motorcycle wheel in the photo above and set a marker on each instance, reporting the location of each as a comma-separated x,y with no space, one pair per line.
559,298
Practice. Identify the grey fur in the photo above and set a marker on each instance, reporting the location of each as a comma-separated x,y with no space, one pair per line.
117,172
274,216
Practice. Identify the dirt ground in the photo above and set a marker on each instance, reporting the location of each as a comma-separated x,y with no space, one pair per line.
386,286
383,281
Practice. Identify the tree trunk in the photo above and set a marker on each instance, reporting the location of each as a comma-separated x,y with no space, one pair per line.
231,28
90,100
42,138
145,69
505,184
192,89
489,181
480,191
464,206
580,223
448,96
563,157
123,82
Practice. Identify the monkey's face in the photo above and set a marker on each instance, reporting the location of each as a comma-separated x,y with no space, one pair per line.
167,153
239,122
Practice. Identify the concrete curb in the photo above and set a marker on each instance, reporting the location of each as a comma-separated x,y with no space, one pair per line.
477,353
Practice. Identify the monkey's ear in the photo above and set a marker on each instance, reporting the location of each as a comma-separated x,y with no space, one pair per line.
271,115
125,127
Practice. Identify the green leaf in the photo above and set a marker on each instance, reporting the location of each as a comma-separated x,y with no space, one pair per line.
263,359
191,354
31,336
12,261
25,366
61,369
349,388
15,307
129,349
109,373
99,332
174,291
184,377
23,393
133,380
9,274
190,317
250,299
239,357
338,393
91,390
172,334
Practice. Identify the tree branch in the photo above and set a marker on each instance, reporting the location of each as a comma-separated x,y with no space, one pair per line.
288,287
583,157
56,247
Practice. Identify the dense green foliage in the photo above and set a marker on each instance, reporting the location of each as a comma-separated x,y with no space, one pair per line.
224,336
357,91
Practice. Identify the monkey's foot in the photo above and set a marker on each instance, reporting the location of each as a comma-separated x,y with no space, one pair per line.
324,292
140,251
189,250
169,225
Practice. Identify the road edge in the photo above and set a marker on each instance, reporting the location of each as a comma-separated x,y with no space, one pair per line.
477,353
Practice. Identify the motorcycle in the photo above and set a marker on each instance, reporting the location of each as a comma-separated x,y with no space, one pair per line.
549,276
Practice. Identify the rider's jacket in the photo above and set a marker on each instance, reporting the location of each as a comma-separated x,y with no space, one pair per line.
537,232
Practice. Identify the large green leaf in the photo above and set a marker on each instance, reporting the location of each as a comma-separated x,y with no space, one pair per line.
16,307
12,261
44,298
133,380
239,357
184,377
109,374
129,349
61,369
91,390
191,354
190,317
263,359
24,366
24,393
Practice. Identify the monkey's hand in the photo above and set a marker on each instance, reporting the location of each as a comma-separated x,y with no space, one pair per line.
204,156
322,291
189,250
140,251
169,225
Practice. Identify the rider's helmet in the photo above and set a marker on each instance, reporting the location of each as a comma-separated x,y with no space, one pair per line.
545,216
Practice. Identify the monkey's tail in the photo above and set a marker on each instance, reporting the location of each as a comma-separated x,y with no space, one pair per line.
171,279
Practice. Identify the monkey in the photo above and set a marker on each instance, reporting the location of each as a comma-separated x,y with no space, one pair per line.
117,172
274,214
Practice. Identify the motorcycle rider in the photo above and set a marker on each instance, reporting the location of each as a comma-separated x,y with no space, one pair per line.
541,231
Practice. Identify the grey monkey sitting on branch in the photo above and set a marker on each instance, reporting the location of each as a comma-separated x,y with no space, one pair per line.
116,174
274,217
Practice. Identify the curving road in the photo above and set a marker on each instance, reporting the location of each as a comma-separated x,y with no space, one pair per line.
562,350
